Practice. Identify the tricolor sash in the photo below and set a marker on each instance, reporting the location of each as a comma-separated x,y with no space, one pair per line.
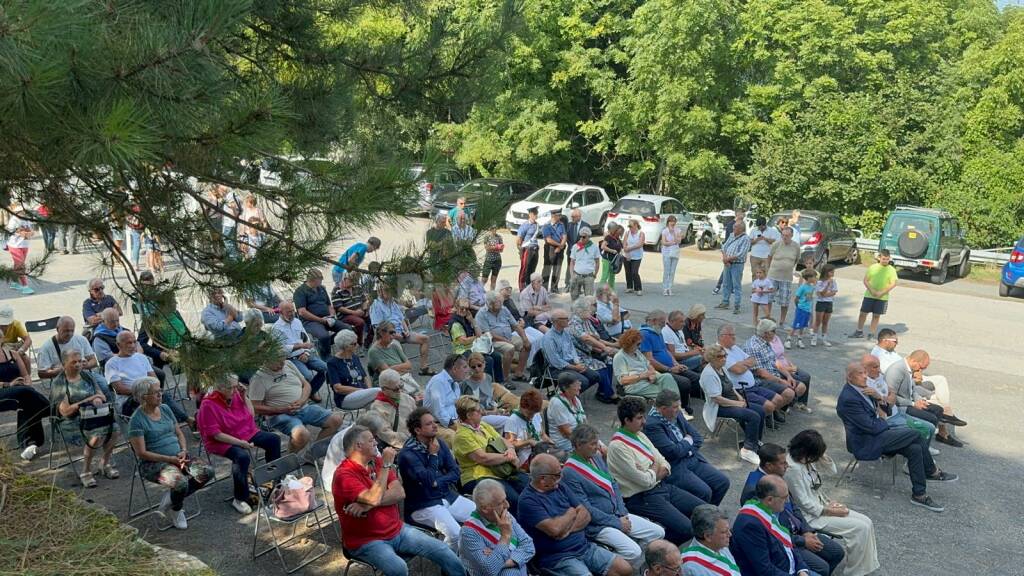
592,473
708,558
758,510
489,531
633,441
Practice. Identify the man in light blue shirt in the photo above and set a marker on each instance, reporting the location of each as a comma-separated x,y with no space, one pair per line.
554,250
560,353
507,334
220,318
386,308
443,390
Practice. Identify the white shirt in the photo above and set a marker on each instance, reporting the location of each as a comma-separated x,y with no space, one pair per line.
517,427
16,240
885,358
585,261
49,358
675,339
668,235
290,334
761,249
126,370
734,355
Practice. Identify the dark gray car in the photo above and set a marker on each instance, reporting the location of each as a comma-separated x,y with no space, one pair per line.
824,236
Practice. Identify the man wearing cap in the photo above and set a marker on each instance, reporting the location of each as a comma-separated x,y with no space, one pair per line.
584,260
14,335
554,250
526,243
761,239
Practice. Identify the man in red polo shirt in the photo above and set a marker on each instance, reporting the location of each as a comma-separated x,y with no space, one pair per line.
366,493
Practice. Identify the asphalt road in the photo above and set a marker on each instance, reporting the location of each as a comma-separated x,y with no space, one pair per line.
973,337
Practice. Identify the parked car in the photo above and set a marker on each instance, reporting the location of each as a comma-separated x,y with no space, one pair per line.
439,180
824,236
501,192
711,229
651,211
1013,271
926,240
592,201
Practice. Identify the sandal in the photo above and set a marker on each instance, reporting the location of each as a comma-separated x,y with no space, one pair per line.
110,472
87,480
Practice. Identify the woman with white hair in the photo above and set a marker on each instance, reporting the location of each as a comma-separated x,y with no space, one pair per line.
77,388
160,446
228,427
346,375
596,353
612,316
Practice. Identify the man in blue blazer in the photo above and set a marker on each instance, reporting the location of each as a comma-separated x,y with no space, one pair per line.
679,442
869,437
760,544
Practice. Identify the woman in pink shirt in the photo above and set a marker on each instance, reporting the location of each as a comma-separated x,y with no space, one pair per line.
228,429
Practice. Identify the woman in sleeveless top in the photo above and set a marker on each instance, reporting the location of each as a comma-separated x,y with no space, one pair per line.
16,393
633,250
76,389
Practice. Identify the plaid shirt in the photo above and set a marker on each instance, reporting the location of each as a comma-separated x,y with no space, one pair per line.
763,355
737,246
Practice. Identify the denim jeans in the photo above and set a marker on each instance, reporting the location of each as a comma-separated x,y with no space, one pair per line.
314,370
752,419
135,237
386,555
669,263
733,283
241,460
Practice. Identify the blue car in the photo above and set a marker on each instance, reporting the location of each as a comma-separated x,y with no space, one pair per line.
1013,271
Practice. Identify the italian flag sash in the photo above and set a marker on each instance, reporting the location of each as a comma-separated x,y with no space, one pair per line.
489,531
757,510
633,441
711,560
592,473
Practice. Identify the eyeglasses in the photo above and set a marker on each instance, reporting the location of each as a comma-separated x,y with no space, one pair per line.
96,288
387,389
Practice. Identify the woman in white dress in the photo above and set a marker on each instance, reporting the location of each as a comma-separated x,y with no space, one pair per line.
805,487
671,239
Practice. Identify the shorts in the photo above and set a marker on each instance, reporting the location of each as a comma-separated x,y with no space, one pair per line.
515,345
823,307
595,560
783,292
492,265
873,306
308,415
802,319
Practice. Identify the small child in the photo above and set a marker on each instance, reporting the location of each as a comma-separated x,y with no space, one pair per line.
825,292
804,296
761,294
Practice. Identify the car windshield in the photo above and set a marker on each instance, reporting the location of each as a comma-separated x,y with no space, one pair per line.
551,196
633,206
903,222
478,188
806,224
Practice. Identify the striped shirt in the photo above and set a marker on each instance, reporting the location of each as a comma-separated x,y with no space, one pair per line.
737,246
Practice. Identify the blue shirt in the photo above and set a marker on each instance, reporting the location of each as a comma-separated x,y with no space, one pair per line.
653,342
804,297
534,508
554,231
91,307
358,249
215,319
439,397
559,351
390,311
528,232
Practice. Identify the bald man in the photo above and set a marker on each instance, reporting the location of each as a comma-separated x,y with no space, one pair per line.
885,398
50,365
906,378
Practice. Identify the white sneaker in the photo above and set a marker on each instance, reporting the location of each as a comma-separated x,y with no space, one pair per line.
825,342
30,452
664,292
687,416
933,451
789,343
814,339
800,343
243,508
670,292
750,456
179,520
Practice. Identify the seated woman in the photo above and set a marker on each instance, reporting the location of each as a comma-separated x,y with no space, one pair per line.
787,366
806,449
692,328
462,329
494,398
345,374
534,302
609,313
474,448
634,373
524,428
160,445
16,393
596,353
722,400
77,388
228,427
565,412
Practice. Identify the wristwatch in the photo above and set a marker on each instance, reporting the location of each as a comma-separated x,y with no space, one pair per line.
392,465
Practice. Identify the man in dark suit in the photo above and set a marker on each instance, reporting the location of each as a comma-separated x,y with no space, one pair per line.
760,544
821,554
572,236
869,437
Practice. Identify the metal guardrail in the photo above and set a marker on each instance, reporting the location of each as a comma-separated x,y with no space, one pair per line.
994,256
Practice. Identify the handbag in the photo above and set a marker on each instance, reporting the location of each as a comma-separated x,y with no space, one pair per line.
496,445
292,497
617,263
483,344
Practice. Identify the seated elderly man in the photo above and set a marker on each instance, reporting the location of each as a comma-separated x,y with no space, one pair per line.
49,360
885,398
675,342
557,519
533,332
472,290
14,337
441,393
869,437
367,490
738,366
586,474
493,543
561,355
767,369
679,443
393,407
507,335
641,471
387,309
221,318
653,346
352,306
821,554
432,498
662,558
919,398
300,348
97,302
266,300
128,366
708,554
280,393
313,306
759,543
534,301
614,319
386,353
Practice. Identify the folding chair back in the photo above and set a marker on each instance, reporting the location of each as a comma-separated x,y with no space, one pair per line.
274,472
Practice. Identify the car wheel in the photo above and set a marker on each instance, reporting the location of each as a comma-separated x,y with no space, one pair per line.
853,256
965,266
1004,290
938,275
604,218
704,242
688,237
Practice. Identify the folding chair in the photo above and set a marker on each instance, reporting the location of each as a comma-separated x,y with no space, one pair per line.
138,479
55,433
352,412
274,472
852,465
721,424
317,452
36,326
